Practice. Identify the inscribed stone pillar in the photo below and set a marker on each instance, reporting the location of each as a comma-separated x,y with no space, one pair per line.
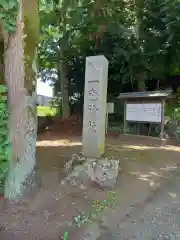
95,95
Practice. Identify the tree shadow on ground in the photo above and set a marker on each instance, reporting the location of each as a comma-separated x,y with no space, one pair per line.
144,159
142,149
141,157
52,153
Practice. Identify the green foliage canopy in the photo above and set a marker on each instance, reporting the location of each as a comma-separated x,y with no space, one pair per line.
140,38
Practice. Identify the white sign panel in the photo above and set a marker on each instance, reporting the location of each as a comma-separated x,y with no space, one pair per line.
143,112
110,108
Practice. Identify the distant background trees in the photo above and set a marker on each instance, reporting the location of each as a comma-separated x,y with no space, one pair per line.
140,38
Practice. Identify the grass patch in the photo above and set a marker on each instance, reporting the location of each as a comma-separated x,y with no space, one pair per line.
43,111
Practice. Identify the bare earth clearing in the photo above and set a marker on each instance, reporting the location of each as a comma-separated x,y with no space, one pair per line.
48,211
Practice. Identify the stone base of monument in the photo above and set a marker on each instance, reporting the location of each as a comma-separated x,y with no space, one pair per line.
103,171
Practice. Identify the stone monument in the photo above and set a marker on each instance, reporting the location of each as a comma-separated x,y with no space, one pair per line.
95,94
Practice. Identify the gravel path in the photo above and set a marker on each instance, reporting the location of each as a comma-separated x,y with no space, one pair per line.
158,220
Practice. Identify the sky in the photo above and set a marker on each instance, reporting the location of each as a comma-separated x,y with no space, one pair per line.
44,89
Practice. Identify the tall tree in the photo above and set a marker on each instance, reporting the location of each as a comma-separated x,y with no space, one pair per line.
139,38
20,41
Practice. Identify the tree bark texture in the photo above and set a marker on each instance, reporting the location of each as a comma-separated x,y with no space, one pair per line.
14,77
64,87
141,83
20,77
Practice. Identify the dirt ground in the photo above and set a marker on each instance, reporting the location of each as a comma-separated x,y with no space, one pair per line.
49,211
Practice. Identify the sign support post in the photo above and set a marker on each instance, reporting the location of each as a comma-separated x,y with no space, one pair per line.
125,123
162,120
109,110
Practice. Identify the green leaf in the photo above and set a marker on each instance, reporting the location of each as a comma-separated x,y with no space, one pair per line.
3,98
2,175
3,89
2,15
4,166
66,236
2,157
9,27
9,4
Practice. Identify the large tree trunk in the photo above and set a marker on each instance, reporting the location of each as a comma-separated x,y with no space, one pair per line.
141,76
141,84
141,81
14,77
64,87
20,76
